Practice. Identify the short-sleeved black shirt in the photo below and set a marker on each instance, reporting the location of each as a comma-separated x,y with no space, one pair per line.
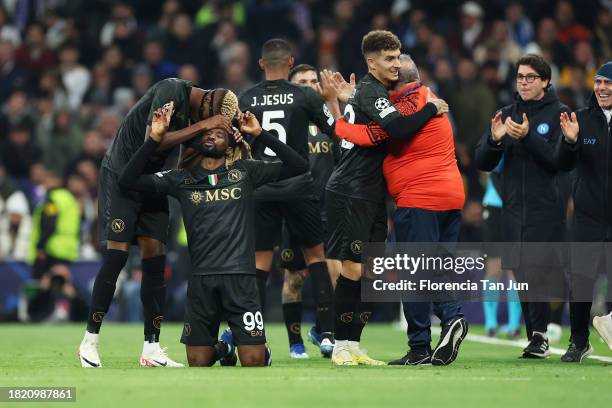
131,133
218,213
359,173
286,109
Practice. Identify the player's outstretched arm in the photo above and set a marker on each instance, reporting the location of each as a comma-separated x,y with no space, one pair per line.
132,176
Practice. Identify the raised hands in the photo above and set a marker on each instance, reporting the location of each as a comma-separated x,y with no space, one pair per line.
569,127
249,123
517,130
498,130
161,121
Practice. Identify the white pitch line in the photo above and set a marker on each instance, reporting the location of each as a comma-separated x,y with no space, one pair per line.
478,338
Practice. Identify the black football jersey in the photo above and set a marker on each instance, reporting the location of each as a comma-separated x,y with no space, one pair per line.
286,110
131,133
359,172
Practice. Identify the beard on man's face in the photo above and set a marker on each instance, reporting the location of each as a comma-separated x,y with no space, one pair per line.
211,151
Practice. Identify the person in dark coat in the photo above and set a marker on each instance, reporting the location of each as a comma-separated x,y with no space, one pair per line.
525,134
586,146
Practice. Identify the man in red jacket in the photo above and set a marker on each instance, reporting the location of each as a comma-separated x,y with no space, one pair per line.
422,176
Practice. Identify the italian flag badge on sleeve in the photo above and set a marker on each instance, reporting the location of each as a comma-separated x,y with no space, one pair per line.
213,179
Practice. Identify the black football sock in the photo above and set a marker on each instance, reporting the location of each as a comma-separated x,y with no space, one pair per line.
323,294
292,313
104,287
346,297
362,315
153,296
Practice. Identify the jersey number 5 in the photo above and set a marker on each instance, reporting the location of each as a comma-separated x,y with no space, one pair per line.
267,124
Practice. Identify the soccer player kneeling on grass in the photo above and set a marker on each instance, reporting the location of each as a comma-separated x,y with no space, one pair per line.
215,190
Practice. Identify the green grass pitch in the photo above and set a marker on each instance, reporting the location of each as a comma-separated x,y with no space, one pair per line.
482,376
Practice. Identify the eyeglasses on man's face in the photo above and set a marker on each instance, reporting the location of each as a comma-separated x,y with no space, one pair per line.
529,78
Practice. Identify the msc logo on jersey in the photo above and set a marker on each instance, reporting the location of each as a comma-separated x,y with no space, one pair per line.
543,128
287,255
234,175
117,225
196,197
356,247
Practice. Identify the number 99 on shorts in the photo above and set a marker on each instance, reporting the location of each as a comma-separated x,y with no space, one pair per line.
253,322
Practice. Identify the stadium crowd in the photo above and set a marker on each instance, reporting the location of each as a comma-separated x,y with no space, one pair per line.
70,70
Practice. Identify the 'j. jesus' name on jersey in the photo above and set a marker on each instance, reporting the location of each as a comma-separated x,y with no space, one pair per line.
272,100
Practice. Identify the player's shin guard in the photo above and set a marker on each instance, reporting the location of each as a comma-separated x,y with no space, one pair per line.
262,278
292,313
323,293
153,296
104,287
346,298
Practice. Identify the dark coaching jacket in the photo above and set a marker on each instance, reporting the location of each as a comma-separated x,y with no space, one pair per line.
592,189
533,191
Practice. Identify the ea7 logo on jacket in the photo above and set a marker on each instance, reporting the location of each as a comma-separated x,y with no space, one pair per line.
588,141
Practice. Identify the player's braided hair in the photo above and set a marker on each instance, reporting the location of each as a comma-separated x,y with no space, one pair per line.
219,101
240,151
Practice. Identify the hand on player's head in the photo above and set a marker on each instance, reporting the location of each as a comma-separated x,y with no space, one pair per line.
161,121
217,122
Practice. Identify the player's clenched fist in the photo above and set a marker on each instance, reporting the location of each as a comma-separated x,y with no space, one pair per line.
161,121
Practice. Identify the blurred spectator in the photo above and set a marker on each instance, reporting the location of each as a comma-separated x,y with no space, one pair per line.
57,300
602,33
585,58
75,77
142,79
183,47
15,223
15,111
64,143
472,104
121,24
154,58
19,152
8,32
12,77
235,78
114,60
189,72
213,11
170,9
34,54
472,29
101,91
55,227
78,186
500,41
50,84
521,27
576,93
570,32
547,41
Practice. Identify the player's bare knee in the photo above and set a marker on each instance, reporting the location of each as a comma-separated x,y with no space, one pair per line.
118,245
252,360
292,286
314,254
150,247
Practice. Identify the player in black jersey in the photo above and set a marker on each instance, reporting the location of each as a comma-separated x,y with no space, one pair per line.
128,217
216,198
322,155
356,190
286,110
